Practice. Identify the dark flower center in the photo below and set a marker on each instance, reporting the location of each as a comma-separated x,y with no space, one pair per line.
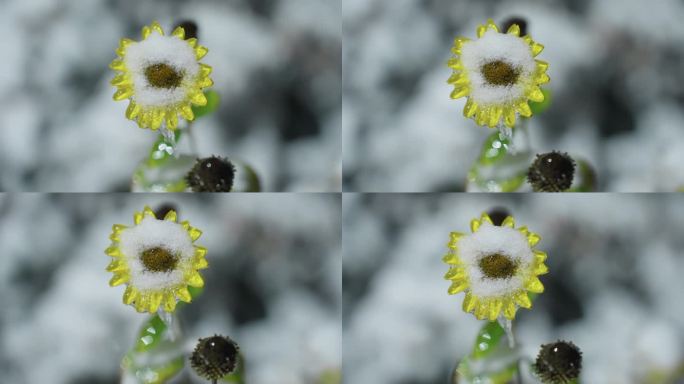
214,357
162,75
559,362
158,259
499,73
497,266
551,172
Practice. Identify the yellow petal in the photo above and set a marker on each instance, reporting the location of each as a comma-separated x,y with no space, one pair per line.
117,65
514,30
508,222
195,280
155,301
533,239
453,239
179,32
186,112
194,233
116,265
542,78
481,311
200,263
198,99
123,93
157,118
183,294
522,299
536,48
130,295
148,212
459,92
524,109
145,32
205,82
491,25
169,303
119,79
469,302
455,274
205,70
192,42
450,258
481,30
494,116
119,279
541,269
455,63
137,217
509,117
171,216
536,95
172,119
123,44
542,66
133,110
485,217
113,251
539,256
157,28
142,303
534,285
509,310
458,78
482,116
524,230
474,225
470,108
200,251
495,308
201,51
457,286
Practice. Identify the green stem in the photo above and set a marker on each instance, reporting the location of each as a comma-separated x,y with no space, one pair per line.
511,344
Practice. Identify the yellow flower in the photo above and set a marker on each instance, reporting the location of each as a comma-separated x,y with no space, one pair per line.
157,260
498,73
162,77
496,266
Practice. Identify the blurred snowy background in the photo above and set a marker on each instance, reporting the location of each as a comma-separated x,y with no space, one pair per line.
616,70
277,66
614,286
273,285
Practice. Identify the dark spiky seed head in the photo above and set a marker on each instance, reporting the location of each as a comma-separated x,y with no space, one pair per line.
522,23
190,28
211,174
498,215
558,363
551,172
215,357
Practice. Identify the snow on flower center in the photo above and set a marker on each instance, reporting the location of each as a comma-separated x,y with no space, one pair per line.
162,75
158,259
497,266
499,73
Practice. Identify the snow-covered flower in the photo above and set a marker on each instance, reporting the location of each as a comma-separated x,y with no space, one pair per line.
162,77
498,73
496,266
157,260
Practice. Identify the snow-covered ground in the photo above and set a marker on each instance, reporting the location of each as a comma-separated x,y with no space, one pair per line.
273,285
614,286
616,73
277,67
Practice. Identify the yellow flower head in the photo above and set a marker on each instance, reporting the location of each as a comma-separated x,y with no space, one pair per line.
157,260
162,77
498,73
496,266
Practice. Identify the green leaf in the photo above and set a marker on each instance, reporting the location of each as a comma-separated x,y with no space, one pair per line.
212,103
158,153
493,149
151,334
541,106
487,339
